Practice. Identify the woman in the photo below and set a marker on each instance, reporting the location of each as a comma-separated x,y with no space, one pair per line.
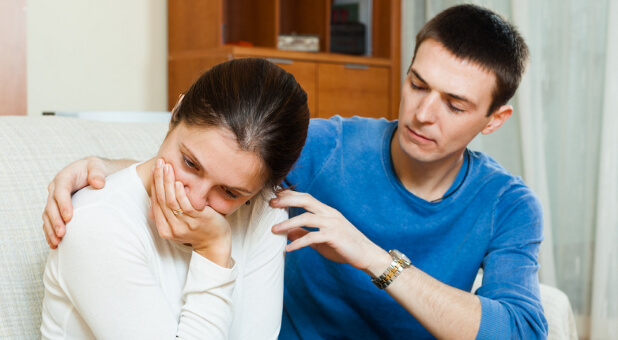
216,270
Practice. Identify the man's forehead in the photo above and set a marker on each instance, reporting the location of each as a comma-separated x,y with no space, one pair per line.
438,67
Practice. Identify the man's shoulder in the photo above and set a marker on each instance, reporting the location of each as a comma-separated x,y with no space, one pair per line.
331,132
336,124
507,187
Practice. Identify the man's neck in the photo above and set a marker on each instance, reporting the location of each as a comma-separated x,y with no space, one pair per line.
427,180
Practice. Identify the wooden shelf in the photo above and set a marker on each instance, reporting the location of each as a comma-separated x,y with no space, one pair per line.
335,83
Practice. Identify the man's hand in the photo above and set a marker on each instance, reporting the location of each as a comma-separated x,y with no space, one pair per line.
59,210
336,238
206,230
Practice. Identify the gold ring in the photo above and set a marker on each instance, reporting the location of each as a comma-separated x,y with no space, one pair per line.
177,212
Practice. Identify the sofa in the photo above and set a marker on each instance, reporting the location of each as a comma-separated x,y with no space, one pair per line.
32,150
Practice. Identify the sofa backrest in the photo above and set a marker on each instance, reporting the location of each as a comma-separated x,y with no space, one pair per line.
32,151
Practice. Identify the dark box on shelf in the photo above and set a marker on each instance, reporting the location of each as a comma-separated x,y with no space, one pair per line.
347,37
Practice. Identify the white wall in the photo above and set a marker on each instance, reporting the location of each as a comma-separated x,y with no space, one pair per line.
96,55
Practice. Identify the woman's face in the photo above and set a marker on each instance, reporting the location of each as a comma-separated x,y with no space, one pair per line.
212,168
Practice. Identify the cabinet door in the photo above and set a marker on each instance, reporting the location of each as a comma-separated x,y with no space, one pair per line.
182,72
305,74
353,90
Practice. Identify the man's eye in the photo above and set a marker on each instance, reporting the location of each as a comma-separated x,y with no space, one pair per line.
454,109
416,87
189,163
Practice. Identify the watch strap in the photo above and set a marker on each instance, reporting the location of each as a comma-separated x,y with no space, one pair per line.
394,269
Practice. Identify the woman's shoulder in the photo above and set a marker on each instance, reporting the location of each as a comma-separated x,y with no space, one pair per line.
253,222
120,208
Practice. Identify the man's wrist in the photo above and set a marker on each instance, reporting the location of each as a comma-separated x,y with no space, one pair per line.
379,262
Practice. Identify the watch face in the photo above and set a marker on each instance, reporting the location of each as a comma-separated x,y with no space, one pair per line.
401,255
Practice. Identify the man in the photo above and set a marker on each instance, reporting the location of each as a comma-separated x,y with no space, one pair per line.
411,187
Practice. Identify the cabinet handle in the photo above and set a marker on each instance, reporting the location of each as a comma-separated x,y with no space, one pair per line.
280,61
357,66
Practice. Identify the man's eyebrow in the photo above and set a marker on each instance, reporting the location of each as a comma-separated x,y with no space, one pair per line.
452,95
199,165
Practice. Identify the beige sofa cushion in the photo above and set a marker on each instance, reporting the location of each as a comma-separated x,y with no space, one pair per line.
32,150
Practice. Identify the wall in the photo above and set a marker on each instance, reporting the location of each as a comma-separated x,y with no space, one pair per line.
96,55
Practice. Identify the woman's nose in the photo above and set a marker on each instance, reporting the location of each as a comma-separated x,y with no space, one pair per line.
198,193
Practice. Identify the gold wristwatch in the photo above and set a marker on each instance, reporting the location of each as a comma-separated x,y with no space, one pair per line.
400,262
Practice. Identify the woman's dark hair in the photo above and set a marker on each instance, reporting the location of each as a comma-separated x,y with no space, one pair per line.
477,34
260,103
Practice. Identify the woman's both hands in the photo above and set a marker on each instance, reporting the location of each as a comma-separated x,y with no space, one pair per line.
206,230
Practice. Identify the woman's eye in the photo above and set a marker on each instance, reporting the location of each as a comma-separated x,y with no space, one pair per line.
229,193
189,163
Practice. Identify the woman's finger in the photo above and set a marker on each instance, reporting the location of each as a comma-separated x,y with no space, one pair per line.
169,185
161,223
158,183
183,200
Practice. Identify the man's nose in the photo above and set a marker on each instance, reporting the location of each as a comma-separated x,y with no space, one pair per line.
428,108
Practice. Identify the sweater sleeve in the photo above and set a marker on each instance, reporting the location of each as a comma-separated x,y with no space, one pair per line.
261,291
510,297
104,268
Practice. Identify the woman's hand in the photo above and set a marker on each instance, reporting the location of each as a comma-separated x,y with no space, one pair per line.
58,210
207,231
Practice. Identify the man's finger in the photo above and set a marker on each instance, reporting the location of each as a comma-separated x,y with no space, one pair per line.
304,220
287,198
297,233
96,173
50,235
62,199
55,221
309,239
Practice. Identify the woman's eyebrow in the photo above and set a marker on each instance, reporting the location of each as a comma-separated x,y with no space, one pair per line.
200,166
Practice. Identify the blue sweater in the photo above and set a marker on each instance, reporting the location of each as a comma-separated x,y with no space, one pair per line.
488,219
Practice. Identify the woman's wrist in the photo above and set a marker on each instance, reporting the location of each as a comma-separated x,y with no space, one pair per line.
218,252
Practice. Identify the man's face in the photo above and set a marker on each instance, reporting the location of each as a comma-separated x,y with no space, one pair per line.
444,104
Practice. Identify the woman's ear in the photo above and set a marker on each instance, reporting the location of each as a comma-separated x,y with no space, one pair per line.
176,108
497,119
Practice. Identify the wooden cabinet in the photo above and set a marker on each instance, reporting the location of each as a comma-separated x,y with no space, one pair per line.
205,33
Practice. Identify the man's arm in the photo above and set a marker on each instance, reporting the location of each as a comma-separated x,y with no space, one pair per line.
445,311
79,174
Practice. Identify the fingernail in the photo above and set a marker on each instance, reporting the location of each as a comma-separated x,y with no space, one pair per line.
178,185
65,215
159,163
166,169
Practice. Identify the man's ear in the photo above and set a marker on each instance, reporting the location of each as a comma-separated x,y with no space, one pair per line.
497,119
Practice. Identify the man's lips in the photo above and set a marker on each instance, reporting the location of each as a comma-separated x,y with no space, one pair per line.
419,137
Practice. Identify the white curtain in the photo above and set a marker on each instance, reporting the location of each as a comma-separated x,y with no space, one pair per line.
563,140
